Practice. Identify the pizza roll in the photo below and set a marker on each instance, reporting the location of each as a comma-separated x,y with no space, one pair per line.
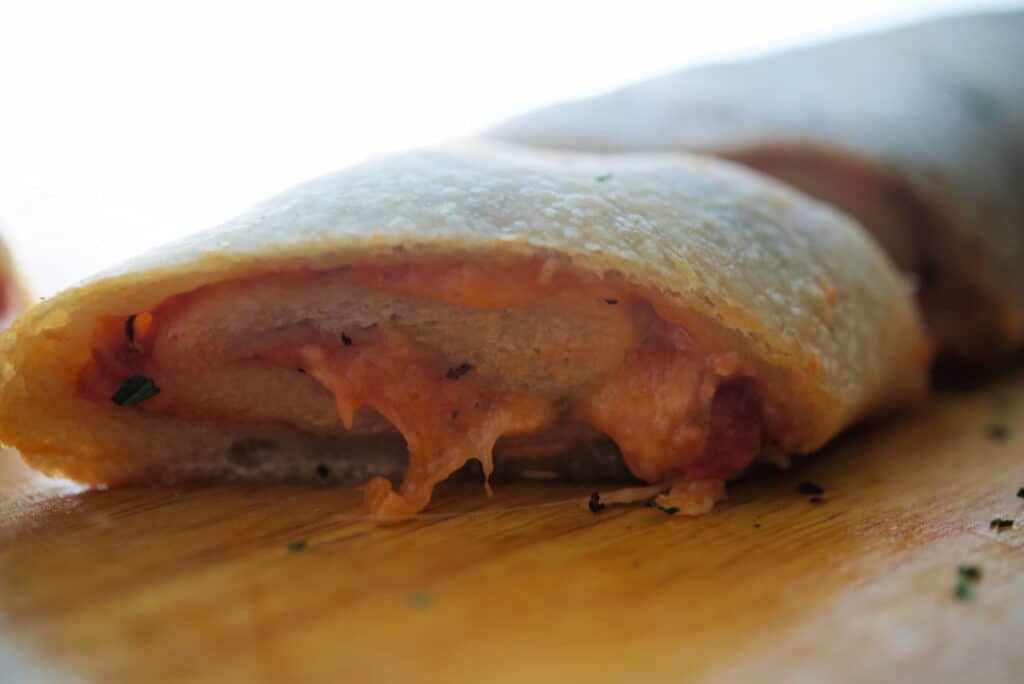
466,301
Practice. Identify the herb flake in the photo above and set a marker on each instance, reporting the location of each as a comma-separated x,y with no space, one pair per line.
419,599
611,301
971,573
604,177
135,390
963,590
346,340
129,328
323,471
998,429
807,487
1000,524
998,432
967,578
458,371
595,504
1020,493
299,545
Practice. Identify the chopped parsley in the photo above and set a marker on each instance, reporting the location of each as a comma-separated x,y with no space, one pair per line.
595,504
346,340
998,431
807,487
1000,524
323,471
963,590
604,177
611,301
300,545
967,578
134,390
971,573
129,328
458,371
419,599
301,370
669,510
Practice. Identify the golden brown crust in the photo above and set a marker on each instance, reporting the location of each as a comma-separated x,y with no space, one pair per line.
785,280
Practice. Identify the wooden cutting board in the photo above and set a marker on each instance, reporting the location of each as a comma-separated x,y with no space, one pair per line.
270,584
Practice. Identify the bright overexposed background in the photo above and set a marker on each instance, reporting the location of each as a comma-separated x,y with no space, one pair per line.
124,125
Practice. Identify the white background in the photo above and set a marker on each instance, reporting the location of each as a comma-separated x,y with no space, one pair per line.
123,125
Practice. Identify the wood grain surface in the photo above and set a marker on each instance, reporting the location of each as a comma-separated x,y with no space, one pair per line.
268,584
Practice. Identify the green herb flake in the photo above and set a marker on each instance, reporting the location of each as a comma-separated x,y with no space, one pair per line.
458,371
419,600
998,432
668,510
604,177
963,590
998,429
971,573
1020,493
300,545
967,578
1000,524
135,390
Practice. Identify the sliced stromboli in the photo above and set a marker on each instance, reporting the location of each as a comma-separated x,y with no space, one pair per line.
686,308
918,133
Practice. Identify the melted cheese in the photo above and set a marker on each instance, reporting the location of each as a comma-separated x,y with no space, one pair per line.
682,414
447,417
